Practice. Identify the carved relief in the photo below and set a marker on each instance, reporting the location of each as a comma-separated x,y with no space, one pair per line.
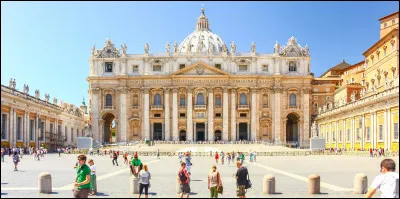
108,51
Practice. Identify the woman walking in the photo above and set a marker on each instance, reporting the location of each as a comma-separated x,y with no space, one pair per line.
144,181
216,157
229,158
15,160
214,182
93,183
126,158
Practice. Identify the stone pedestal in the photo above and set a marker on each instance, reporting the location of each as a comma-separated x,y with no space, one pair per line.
134,185
269,184
44,184
317,143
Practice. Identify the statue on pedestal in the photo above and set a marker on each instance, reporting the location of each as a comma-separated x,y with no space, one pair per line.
224,48
233,47
253,47
124,47
314,129
146,48
26,89
276,48
167,47
87,130
175,47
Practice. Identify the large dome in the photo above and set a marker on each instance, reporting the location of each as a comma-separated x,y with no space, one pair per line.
202,39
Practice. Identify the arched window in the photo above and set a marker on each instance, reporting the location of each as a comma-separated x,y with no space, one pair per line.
108,100
315,105
265,99
292,100
157,99
292,66
243,99
135,100
200,99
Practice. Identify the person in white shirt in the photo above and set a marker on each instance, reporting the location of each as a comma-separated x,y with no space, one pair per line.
93,184
387,182
144,181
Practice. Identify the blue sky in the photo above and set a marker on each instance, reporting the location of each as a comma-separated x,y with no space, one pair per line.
47,44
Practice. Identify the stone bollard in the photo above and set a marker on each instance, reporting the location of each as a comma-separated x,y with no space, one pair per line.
360,183
178,186
44,182
134,185
269,184
314,184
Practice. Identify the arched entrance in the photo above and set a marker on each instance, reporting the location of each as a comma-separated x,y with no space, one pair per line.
109,134
292,128
182,135
218,135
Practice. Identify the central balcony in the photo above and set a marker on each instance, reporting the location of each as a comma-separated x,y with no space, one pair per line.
243,107
135,106
156,107
199,107
108,107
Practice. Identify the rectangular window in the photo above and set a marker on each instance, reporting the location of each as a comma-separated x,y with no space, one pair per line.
19,128
218,115
181,66
157,115
380,132
31,129
108,67
396,131
265,67
218,66
340,135
243,115
59,130
352,80
358,134
348,135
182,115
182,101
135,68
242,67
65,133
368,133
4,132
218,101
156,68
42,127
51,128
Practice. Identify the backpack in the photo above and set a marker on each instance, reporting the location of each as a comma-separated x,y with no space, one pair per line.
182,176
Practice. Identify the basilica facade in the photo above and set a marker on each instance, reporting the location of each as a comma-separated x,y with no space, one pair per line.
201,90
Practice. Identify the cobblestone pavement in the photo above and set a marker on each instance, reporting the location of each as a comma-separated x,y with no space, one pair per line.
291,173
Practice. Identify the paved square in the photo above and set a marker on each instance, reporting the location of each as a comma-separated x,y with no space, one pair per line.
291,173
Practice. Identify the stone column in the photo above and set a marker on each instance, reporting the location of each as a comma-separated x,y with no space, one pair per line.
97,134
205,131
248,131
385,134
353,136
233,115
146,114
306,126
189,125
194,131
210,114
237,131
122,114
175,114
225,119
277,115
167,115
388,131
101,127
25,129
253,116
344,133
373,129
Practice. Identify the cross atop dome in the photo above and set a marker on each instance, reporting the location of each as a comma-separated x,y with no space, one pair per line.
202,22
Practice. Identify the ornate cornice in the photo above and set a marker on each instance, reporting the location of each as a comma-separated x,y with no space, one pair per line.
254,89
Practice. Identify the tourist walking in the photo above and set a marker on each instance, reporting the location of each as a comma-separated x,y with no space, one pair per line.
214,182
229,158
135,166
158,153
59,152
188,163
115,156
93,183
126,158
387,181
222,157
144,181
242,157
254,156
251,156
82,180
241,180
2,154
15,160
184,179
216,157
233,156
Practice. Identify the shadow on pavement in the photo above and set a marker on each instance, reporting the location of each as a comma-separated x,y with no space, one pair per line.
101,194
152,193
193,193
3,194
4,183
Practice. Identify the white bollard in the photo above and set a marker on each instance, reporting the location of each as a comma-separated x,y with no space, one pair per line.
44,182
134,185
360,183
314,184
269,184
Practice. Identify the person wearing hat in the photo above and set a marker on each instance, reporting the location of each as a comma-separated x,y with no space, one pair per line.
136,164
214,182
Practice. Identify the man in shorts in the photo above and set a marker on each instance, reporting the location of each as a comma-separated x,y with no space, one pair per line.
241,180
387,182
183,177
136,165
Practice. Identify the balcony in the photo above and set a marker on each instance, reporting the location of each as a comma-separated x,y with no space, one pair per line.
156,107
135,106
108,108
218,106
265,106
199,107
243,107
182,106
292,107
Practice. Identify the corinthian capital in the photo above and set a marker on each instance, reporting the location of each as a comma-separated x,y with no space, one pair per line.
277,90
146,90
233,90
189,89
306,90
122,89
95,90
225,89
210,89
166,89
175,89
254,89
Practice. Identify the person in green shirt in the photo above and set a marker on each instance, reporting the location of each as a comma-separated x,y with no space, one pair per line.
136,165
241,157
82,180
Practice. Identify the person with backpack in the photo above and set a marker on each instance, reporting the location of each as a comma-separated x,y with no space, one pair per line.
144,181
115,156
241,180
214,182
184,179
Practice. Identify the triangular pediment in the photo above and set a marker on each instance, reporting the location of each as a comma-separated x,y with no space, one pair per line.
199,68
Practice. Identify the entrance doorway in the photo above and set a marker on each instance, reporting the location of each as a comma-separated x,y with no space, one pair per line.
292,128
182,135
109,128
200,132
157,132
218,135
243,131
